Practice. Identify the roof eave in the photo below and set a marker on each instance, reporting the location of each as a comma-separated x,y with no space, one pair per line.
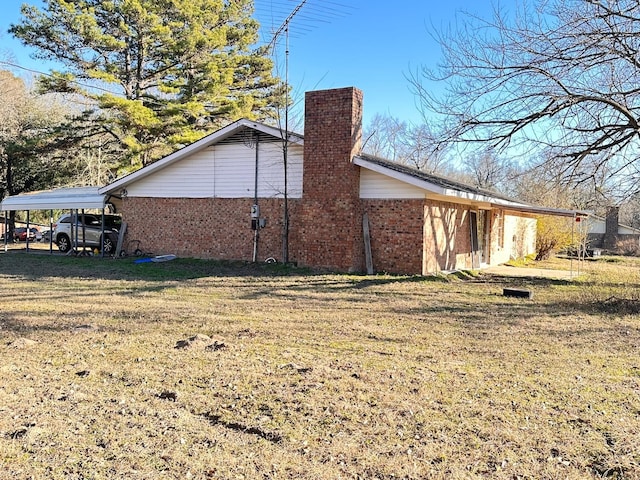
466,196
197,146
537,210
475,197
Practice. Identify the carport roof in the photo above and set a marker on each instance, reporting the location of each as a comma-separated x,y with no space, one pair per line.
58,199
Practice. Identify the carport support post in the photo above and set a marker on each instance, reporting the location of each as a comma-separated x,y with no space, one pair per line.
102,234
26,238
84,234
50,231
74,231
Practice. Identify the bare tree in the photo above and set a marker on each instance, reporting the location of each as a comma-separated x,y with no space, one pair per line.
29,123
630,212
386,137
417,146
487,169
556,75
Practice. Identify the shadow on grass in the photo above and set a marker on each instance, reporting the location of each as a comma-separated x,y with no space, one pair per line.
291,282
367,282
217,420
35,266
587,298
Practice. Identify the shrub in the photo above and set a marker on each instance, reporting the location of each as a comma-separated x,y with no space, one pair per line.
553,234
628,246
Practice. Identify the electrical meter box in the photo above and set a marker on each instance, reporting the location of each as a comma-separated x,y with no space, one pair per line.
255,211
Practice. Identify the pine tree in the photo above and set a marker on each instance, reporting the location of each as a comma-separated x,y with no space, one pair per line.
157,74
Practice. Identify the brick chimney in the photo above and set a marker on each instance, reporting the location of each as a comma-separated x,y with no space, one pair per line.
611,228
330,224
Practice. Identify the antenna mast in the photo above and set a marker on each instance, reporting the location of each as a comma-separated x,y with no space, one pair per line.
322,11
285,25
285,137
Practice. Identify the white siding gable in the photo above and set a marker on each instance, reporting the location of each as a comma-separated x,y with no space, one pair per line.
376,185
225,171
271,170
624,230
596,225
234,171
599,226
190,178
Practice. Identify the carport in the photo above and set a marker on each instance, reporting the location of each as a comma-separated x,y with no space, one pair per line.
73,199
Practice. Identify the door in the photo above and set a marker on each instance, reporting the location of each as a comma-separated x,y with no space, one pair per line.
475,247
479,233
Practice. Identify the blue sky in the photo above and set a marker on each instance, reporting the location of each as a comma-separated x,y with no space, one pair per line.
369,44
372,45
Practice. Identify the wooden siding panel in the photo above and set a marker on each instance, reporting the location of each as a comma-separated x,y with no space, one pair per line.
519,235
225,171
373,185
271,171
234,171
189,178
624,230
597,225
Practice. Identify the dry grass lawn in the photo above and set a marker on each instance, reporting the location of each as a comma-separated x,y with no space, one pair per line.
201,370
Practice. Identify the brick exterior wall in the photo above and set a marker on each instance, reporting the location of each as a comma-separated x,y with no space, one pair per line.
447,233
397,237
213,228
415,236
622,241
330,221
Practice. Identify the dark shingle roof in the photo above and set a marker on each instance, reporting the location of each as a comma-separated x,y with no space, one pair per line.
438,180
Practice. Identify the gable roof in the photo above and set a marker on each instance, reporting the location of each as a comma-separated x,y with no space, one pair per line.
436,184
233,133
439,185
602,221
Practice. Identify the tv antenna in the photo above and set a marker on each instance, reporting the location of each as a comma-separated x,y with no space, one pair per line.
284,28
325,11
285,138
307,14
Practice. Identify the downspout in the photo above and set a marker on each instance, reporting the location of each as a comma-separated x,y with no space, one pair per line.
256,221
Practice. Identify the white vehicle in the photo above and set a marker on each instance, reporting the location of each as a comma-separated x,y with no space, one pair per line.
85,230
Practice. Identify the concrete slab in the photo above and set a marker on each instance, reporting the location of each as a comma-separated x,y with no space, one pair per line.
509,271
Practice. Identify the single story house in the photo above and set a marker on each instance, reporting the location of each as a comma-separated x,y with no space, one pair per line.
224,197
609,234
